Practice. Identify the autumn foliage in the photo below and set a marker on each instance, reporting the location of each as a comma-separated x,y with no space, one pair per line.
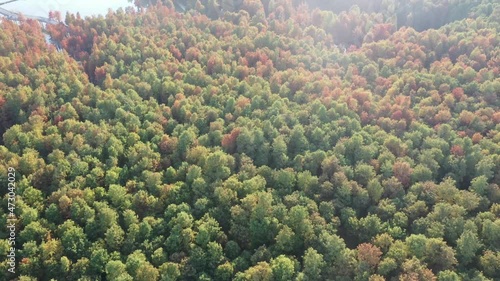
255,140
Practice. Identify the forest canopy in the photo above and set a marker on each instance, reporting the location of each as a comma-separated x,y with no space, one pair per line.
254,140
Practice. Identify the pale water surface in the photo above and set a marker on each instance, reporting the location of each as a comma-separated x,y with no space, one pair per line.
84,7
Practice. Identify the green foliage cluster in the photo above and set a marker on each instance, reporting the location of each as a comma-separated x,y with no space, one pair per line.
250,145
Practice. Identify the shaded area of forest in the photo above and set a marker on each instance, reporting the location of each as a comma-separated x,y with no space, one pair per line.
420,15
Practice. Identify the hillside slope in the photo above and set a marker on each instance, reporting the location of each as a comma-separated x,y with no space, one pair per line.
292,144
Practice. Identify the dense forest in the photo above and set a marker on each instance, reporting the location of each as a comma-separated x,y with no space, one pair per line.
254,140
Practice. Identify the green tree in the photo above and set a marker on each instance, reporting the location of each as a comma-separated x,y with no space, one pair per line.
364,173
279,158
218,166
147,272
170,271
313,265
134,261
116,271
74,242
224,272
448,275
282,268
298,142
438,255
261,271
114,237
490,263
467,246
